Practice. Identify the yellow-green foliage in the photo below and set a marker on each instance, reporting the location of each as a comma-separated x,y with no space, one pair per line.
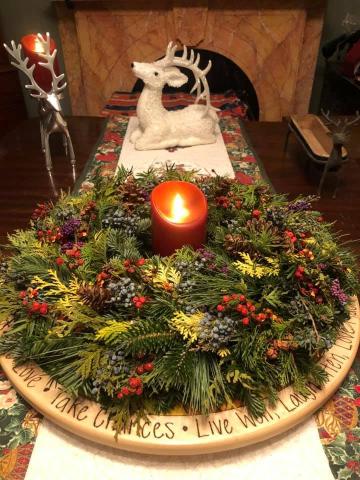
89,361
55,287
166,276
112,331
235,376
223,352
252,269
187,325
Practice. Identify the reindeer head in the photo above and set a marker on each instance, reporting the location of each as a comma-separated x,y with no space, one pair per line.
165,71
156,76
52,98
340,134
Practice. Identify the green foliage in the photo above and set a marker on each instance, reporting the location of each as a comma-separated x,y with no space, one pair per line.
238,320
89,361
112,332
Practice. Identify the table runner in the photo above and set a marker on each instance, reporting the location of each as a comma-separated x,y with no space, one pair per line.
338,421
124,103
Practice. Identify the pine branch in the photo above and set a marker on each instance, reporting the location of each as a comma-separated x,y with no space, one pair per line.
147,337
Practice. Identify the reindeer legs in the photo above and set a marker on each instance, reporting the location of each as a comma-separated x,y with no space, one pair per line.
47,152
70,148
42,135
65,143
325,172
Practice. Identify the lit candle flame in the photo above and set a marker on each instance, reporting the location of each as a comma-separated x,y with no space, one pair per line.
38,46
178,210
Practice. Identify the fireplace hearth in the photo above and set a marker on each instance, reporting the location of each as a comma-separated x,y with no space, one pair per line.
274,43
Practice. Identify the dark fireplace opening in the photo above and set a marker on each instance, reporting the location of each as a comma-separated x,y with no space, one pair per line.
224,76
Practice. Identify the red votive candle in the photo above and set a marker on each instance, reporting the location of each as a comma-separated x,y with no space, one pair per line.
32,46
179,213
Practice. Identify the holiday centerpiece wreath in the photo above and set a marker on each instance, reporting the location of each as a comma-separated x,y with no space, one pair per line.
227,325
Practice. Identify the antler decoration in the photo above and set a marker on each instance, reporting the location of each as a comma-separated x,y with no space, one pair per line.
51,119
192,63
15,52
342,125
49,63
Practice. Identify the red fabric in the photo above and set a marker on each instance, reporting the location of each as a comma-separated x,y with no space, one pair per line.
352,58
229,104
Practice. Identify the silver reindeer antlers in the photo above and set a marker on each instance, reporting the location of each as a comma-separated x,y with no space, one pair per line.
49,63
22,65
51,119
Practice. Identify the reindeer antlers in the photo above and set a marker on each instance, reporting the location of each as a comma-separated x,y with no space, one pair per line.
342,124
191,63
15,52
22,65
49,63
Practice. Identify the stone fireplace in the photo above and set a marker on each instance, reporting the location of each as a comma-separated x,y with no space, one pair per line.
275,42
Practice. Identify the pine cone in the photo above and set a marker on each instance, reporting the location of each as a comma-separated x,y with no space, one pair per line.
235,243
286,343
94,296
222,186
132,195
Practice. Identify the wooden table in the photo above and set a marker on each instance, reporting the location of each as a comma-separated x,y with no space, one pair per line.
24,181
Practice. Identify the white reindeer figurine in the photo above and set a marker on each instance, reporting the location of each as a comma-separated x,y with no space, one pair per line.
51,119
158,128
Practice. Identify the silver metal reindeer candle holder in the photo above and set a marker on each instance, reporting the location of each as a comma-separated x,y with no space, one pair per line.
51,118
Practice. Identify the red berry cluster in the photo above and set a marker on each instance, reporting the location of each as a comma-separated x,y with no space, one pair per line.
130,265
139,302
135,384
29,299
101,278
299,272
135,387
307,253
50,235
256,214
41,210
74,259
242,305
144,368
228,201
290,236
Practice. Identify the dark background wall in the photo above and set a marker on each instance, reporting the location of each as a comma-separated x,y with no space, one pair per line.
19,17
333,27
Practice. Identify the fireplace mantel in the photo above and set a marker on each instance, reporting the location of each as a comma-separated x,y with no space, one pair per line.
275,42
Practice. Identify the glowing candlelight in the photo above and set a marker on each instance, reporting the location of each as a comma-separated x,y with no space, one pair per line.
38,47
178,211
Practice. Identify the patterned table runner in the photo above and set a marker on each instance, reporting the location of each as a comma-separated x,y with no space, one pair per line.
338,421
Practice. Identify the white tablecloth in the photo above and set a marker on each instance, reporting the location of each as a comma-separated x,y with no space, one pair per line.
295,455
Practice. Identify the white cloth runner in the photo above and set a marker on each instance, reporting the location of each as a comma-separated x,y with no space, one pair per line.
204,158
295,455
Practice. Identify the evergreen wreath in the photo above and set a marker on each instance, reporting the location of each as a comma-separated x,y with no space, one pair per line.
229,324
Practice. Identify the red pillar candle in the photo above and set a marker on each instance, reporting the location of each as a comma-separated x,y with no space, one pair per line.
179,213
32,47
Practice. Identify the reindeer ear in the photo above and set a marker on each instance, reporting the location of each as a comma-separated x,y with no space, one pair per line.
174,78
